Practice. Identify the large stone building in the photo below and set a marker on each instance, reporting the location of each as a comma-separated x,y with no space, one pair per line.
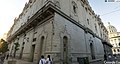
114,37
68,30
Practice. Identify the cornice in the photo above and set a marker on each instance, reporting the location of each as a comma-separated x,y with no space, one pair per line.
48,9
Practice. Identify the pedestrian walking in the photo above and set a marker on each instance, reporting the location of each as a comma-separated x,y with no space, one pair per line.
49,60
42,60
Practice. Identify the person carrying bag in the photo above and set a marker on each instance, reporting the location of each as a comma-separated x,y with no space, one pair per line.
49,60
42,60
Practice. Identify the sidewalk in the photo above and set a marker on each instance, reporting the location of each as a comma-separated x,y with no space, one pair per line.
18,61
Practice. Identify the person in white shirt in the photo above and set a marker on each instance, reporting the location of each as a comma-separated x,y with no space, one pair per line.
49,60
42,60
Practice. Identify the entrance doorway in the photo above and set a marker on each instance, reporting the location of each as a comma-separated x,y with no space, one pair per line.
21,53
65,50
32,53
92,51
41,45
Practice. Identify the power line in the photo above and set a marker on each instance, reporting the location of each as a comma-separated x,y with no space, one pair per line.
110,12
117,6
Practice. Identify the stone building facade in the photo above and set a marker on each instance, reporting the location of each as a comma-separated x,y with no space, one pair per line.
114,37
68,30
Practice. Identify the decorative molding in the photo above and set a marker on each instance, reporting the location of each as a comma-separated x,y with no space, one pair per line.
47,10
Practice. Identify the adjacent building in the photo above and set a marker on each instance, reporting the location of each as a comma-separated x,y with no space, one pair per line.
114,37
68,30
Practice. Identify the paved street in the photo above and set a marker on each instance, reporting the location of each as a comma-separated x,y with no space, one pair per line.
3,60
18,61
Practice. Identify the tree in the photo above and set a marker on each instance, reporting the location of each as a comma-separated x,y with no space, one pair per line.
16,47
3,46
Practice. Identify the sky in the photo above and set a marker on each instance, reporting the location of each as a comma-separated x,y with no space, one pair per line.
108,11
9,9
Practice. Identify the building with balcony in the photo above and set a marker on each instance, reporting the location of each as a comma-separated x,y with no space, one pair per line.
114,37
68,30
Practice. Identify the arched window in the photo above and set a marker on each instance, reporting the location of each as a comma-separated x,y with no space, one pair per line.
114,50
118,50
74,7
88,21
95,27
